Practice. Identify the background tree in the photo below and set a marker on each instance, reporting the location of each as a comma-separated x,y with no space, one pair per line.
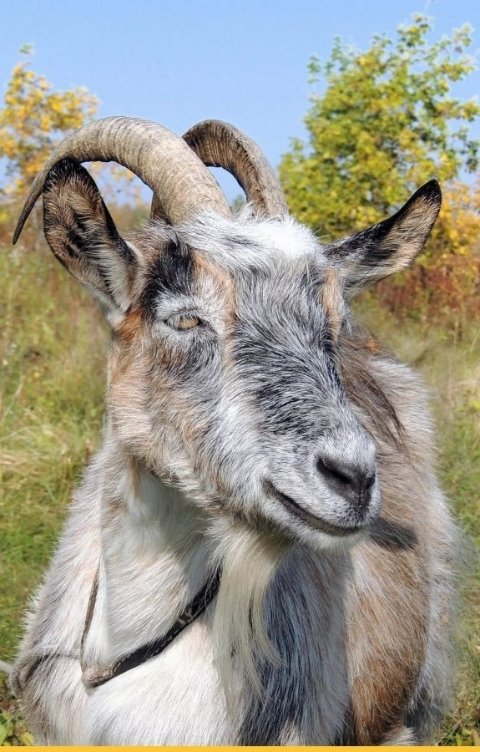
34,116
385,123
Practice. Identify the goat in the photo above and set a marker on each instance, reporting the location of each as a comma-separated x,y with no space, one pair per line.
260,552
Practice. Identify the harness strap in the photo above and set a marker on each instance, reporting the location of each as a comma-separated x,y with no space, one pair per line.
95,676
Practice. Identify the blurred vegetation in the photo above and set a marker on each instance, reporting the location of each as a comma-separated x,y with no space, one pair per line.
33,117
383,123
13,731
377,132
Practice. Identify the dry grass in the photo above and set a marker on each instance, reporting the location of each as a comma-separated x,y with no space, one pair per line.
52,364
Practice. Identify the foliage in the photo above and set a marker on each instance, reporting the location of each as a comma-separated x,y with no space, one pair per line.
52,345
32,119
443,284
385,123
13,732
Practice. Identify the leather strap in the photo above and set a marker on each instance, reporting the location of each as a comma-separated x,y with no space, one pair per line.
95,676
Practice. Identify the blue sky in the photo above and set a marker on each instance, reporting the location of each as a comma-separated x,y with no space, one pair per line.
244,61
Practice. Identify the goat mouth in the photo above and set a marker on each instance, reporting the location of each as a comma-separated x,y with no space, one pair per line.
291,506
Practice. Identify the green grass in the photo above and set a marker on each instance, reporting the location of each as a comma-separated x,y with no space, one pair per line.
52,349
52,380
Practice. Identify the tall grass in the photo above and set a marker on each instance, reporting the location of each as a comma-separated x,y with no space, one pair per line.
52,350
52,344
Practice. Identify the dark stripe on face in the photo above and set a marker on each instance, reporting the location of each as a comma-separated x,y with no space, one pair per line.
286,356
172,272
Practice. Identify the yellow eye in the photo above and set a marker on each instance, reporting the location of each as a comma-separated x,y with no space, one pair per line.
183,321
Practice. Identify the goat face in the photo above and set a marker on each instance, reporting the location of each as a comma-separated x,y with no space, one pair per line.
225,376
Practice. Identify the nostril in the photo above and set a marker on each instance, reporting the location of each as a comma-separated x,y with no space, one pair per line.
349,481
334,470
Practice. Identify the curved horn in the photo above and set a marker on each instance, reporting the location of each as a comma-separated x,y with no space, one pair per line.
220,144
160,158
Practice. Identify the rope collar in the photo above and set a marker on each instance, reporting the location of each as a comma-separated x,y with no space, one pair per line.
95,676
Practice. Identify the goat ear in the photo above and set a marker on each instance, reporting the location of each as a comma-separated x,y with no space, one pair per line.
83,237
389,246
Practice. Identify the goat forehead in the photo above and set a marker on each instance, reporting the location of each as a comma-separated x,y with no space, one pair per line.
287,296
247,239
267,268
281,323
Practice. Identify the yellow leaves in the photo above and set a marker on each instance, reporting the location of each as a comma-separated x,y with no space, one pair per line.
12,730
56,105
34,117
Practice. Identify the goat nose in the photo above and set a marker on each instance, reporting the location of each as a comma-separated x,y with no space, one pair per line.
348,480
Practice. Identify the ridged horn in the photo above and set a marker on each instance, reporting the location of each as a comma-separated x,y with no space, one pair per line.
160,158
220,144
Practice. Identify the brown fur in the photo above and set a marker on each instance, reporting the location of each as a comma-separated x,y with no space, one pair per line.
364,389
386,646
332,301
130,327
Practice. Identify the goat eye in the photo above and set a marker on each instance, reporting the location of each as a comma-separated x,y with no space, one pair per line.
183,321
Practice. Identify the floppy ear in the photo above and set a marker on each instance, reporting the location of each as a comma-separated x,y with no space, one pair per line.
83,237
389,246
